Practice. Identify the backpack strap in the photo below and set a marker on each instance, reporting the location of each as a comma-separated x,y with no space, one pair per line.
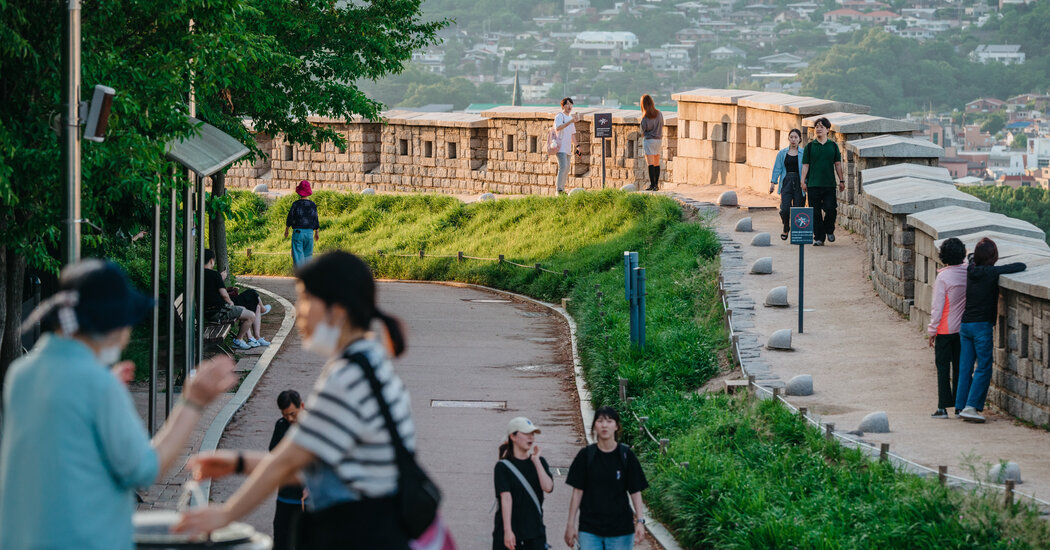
525,484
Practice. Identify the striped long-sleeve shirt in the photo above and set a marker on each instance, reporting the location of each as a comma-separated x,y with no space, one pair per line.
343,427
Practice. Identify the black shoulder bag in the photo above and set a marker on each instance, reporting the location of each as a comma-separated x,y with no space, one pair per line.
417,496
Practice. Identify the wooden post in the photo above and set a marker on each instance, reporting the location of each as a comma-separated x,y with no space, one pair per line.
683,465
565,303
459,256
565,273
629,401
380,253
802,412
1009,499
420,253
623,389
537,267
942,474
829,431
641,423
663,446
776,393
750,383
501,258
884,452
249,251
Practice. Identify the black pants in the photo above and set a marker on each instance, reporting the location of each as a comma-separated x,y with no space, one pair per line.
946,355
539,543
369,524
790,195
248,299
825,207
284,518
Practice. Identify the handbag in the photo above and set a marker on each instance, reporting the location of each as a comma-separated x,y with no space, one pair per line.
417,496
553,142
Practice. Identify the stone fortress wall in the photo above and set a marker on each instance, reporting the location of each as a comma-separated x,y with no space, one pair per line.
896,197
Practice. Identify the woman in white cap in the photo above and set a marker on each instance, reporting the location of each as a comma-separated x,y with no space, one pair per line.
74,449
521,477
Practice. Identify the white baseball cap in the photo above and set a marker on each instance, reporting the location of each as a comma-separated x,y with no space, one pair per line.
523,425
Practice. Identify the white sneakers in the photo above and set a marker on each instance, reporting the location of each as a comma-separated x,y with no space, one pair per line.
970,414
256,342
241,344
266,309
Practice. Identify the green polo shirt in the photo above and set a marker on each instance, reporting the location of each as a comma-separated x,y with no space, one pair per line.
821,160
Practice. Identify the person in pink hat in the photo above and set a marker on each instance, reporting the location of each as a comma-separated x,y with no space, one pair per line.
302,221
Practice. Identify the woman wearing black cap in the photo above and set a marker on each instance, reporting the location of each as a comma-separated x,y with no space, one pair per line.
345,457
74,449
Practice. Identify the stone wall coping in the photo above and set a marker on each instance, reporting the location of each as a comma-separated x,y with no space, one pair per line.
411,118
890,146
712,95
954,221
799,105
859,123
909,195
1012,248
1034,281
894,171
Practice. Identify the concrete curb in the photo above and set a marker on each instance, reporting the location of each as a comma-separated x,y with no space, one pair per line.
218,426
662,535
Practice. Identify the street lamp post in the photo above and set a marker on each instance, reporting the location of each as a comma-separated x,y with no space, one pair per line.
71,132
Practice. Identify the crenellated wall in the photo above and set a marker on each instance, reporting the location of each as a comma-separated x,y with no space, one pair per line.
896,196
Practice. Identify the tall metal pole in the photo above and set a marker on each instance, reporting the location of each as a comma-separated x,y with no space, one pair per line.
189,300
173,213
801,283
603,163
202,226
71,132
155,324
640,290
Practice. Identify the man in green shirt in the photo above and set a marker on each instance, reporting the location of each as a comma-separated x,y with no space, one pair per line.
821,163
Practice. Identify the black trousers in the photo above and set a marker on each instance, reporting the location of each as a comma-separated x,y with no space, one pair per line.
946,355
825,208
369,524
790,195
248,299
284,518
539,543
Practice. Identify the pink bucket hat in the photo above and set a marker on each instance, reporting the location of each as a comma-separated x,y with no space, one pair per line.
303,189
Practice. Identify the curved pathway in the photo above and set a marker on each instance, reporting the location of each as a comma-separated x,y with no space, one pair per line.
464,345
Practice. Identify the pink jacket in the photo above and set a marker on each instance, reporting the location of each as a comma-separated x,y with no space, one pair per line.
949,300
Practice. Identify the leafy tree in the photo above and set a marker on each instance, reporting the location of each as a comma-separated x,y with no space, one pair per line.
1020,142
272,61
994,124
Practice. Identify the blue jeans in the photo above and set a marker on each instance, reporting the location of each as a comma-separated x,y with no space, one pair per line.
302,246
976,345
594,542
563,170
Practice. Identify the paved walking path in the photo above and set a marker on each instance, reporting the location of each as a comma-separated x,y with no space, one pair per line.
863,356
465,345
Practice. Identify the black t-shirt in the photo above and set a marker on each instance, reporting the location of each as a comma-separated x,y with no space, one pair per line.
287,492
525,520
791,164
607,482
212,284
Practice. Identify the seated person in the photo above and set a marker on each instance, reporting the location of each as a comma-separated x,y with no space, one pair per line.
219,307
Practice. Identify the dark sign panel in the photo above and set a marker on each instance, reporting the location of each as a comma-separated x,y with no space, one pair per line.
602,125
801,225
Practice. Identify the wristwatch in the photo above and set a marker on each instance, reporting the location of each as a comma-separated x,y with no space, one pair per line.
640,520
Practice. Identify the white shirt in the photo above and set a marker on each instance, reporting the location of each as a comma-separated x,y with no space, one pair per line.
565,136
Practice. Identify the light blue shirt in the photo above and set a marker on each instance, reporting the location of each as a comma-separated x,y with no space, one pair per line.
73,451
779,170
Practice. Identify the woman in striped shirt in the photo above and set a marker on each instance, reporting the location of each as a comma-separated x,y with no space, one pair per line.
340,447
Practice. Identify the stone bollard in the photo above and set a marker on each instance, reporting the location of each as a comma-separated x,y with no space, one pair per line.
875,423
760,239
487,197
368,191
780,339
800,385
762,266
778,297
727,199
261,188
1001,473
576,191
629,188
743,225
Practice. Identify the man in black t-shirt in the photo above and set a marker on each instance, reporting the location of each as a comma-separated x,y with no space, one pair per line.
291,499
607,480
219,307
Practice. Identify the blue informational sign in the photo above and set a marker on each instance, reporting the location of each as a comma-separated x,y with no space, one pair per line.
801,225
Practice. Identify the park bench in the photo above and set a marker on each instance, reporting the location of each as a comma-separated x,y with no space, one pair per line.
214,332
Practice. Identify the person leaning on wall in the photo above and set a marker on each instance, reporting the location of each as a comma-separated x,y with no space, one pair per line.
652,127
565,127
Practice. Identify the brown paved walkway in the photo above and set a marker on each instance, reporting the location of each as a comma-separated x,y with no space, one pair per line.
464,344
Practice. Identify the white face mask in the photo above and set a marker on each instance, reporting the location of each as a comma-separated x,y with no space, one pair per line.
109,355
324,340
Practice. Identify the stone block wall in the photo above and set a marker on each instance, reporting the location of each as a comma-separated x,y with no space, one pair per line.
891,258
1021,379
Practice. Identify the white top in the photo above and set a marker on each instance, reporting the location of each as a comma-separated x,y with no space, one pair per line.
565,136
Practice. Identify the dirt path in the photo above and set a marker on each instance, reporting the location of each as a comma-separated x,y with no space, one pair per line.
864,357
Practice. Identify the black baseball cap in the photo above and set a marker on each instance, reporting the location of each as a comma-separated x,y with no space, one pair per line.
105,298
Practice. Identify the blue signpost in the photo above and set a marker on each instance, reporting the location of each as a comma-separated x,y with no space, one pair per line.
634,292
801,234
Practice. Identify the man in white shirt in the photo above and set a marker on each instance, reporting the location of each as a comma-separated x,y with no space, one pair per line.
565,126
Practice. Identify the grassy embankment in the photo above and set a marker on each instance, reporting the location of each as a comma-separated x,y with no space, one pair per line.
757,476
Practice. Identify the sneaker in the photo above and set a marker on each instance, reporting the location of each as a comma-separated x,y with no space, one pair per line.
939,413
818,243
262,341
253,342
831,237
970,414
266,309
241,344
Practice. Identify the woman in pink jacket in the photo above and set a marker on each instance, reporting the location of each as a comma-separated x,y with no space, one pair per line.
949,302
